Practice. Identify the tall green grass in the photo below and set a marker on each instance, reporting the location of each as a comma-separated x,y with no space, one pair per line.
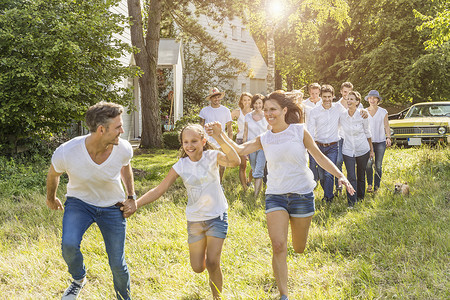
389,246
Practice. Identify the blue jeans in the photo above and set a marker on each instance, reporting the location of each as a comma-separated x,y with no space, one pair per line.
78,217
314,167
357,177
339,161
257,162
327,179
379,149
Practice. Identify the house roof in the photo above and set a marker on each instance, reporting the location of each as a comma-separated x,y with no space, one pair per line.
168,52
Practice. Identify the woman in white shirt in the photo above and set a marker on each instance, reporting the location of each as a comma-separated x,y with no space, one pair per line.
381,138
290,183
357,146
256,124
238,114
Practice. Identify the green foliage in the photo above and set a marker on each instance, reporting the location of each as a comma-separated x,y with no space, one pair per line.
170,139
57,57
204,70
191,117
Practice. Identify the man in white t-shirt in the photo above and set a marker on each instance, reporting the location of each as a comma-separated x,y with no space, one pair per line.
217,112
323,125
314,100
95,163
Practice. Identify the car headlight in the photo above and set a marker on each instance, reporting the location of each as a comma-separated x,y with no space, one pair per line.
442,130
392,131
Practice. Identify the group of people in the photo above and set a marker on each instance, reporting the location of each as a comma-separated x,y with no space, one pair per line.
272,133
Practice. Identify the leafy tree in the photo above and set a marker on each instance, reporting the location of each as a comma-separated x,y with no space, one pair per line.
145,37
57,57
384,51
297,35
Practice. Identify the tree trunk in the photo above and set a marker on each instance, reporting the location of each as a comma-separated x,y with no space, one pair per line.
147,60
270,58
278,80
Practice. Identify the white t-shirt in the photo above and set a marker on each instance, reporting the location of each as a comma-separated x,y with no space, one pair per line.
308,105
323,124
376,124
95,184
255,128
240,123
221,114
206,199
360,106
286,157
356,132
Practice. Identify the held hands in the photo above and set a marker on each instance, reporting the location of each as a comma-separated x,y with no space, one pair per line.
213,128
54,204
129,207
364,114
343,181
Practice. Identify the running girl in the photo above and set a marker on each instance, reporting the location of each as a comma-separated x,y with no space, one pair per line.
206,211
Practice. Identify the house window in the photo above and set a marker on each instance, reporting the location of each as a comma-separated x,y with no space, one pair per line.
243,35
234,33
243,87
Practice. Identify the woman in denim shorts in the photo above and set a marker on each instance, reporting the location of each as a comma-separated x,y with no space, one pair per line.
206,211
290,183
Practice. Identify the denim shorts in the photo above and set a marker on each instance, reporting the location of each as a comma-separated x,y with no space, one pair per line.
217,227
296,205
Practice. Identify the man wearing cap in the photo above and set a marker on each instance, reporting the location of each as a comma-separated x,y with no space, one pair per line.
217,112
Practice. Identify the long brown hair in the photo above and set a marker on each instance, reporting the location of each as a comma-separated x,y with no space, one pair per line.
201,131
294,113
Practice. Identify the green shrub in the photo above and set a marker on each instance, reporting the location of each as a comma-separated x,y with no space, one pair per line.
170,139
191,118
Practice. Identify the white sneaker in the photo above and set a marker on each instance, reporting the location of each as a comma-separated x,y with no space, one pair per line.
73,290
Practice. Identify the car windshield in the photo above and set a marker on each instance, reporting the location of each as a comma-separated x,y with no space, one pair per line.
432,110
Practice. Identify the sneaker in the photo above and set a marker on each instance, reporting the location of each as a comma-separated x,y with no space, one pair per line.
73,290
284,297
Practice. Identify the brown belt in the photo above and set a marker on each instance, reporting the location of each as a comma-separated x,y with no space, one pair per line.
326,145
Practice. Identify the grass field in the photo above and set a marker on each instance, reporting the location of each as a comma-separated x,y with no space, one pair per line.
388,247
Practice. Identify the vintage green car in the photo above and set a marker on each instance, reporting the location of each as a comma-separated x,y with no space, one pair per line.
427,122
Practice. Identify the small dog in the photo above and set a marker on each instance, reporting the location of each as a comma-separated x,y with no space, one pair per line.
401,188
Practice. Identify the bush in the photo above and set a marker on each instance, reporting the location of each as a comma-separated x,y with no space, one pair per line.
170,139
189,118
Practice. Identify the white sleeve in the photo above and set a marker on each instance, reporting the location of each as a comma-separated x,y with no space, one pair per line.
58,161
129,152
367,128
178,168
202,113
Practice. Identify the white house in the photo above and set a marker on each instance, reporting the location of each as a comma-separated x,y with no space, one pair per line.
239,42
233,35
